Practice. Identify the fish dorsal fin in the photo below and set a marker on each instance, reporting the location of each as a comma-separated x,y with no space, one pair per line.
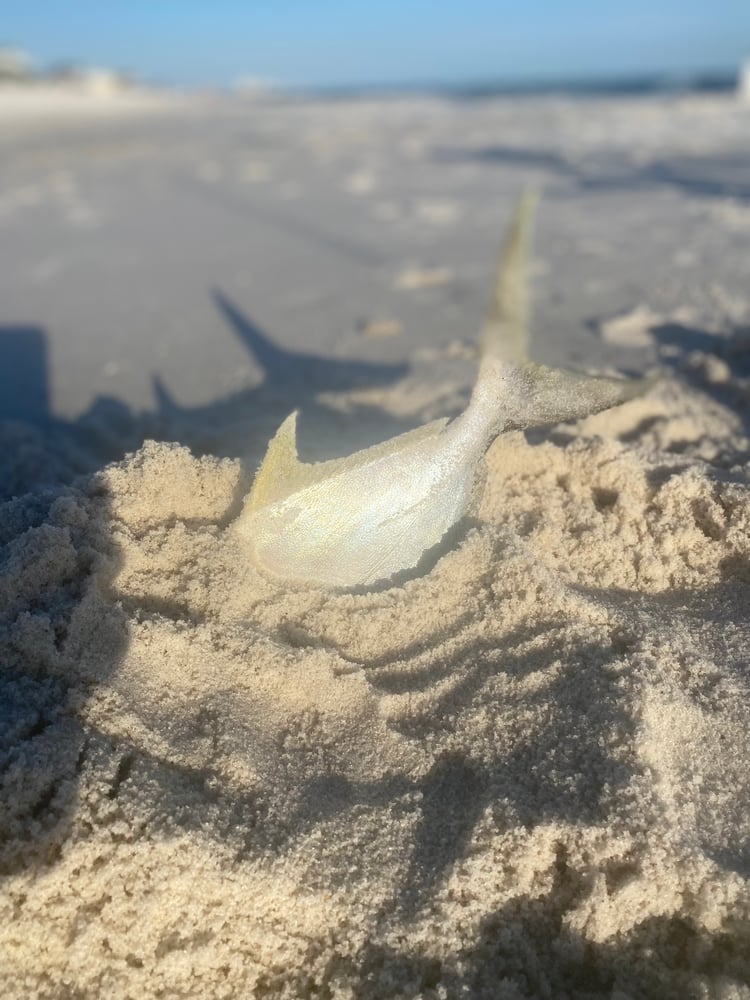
281,473
280,469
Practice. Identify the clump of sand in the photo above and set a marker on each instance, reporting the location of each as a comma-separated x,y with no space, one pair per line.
525,773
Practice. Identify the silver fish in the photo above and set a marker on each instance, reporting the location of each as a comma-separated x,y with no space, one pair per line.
362,519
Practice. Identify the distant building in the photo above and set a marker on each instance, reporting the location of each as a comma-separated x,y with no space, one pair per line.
252,86
98,82
15,64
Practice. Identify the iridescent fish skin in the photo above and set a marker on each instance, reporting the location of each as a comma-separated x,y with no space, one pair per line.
359,520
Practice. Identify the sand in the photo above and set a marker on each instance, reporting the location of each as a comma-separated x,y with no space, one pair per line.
523,773
28,103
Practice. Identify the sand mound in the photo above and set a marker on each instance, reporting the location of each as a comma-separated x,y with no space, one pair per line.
523,774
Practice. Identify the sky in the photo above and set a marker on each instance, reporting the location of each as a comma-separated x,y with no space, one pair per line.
355,42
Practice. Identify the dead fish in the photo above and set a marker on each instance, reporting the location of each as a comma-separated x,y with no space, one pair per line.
360,520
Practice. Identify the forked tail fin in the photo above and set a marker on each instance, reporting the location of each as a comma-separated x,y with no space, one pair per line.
542,395
505,334
531,394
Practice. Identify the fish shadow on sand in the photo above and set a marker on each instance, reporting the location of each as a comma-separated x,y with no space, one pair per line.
42,450
298,372
241,423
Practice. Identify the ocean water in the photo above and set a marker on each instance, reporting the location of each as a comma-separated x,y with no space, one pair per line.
719,81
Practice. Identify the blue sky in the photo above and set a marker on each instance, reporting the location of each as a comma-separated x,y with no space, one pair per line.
389,41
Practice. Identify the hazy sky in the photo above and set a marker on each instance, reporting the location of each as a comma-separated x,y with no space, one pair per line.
388,41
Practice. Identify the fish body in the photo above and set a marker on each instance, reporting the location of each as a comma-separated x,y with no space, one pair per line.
358,520
362,519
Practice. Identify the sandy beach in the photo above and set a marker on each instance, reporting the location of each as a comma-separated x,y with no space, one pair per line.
521,772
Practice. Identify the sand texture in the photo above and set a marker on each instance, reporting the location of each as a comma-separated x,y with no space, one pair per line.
523,773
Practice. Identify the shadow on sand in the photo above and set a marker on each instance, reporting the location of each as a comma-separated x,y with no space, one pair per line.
42,450
716,176
43,747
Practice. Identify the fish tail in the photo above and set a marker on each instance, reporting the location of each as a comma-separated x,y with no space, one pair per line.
505,334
